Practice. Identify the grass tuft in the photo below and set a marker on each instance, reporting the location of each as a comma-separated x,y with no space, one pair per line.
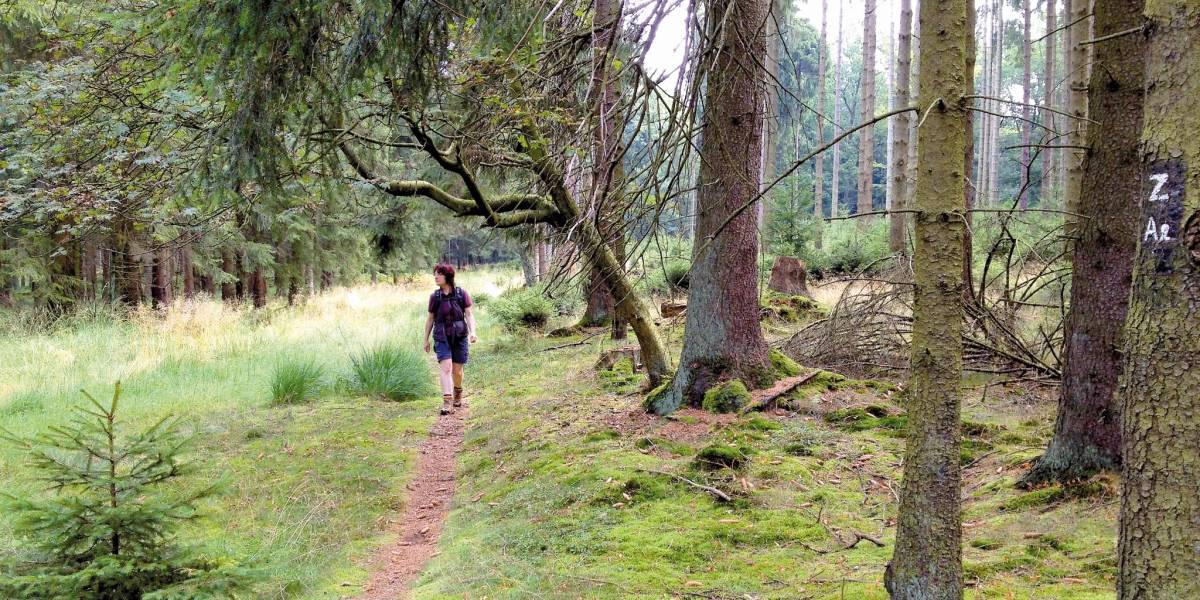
391,372
296,381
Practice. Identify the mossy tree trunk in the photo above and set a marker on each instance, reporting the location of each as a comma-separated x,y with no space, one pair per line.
722,337
1087,432
927,561
1159,541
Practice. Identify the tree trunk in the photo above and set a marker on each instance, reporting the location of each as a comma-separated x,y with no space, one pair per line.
993,148
1087,436
1078,108
866,137
1026,109
189,271
915,80
819,160
770,146
229,267
529,263
127,264
722,338
836,183
1160,493
1048,118
969,159
927,561
258,286
605,197
160,289
898,182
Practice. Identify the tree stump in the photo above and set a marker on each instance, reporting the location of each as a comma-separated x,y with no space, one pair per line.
789,275
611,357
672,309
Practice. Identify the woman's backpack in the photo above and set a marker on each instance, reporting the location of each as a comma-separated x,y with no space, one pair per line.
456,327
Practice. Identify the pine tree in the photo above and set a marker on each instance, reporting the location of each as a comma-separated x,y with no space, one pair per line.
1087,431
107,532
1160,389
866,98
898,182
927,563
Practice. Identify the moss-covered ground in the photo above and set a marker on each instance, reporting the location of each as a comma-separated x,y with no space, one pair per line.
569,490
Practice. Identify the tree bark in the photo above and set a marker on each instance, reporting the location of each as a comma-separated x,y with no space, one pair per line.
866,137
969,159
1026,108
605,199
819,160
229,266
160,290
836,183
770,145
1047,117
898,182
722,337
127,264
1160,390
189,271
1087,436
927,561
915,80
1078,108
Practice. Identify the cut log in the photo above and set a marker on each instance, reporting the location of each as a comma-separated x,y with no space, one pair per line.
789,275
672,309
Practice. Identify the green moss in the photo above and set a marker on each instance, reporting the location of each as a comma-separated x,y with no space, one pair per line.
783,364
1040,497
659,443
799,449
970,450
977,571
864,418
717,456
727,397
623,366
986,543
760,423
1100,487
600,436
655,395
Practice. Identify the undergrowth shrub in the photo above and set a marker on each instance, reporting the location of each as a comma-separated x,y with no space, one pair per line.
390,371
296,381
108,530
522,308
848,248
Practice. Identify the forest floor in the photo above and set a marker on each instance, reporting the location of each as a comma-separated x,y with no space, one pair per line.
563,487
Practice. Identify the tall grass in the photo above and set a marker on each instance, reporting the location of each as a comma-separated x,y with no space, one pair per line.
308,484
390,371
295,381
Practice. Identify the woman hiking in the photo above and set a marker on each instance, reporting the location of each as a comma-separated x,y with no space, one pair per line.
453,327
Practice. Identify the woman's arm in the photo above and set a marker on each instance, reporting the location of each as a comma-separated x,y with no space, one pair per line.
470,316
428,328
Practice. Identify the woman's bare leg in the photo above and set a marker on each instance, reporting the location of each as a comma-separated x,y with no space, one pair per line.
458,379
446,377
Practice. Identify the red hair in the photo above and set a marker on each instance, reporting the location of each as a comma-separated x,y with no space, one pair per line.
446,271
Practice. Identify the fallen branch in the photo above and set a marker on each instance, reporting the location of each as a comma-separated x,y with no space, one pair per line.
761,398
716,493
859,536
579,343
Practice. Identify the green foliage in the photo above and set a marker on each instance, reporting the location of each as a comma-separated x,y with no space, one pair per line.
108,531
390,371
848,248
294,381
727,397
522,308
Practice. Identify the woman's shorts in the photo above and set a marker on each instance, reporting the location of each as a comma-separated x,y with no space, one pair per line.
455,349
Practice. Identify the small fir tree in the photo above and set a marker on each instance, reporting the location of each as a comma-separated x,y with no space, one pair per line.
107,531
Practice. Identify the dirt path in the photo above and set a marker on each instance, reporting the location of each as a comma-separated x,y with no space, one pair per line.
418,530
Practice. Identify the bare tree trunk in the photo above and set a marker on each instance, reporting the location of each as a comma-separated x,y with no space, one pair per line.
819,160
189,271
969,158
1047,117
927,560
836,184
1160,492
1078,108
229,266
605,197
722,337
160,290
1026,108
127,264
770,146
915,80
993,150
1087,436
866,138
898,182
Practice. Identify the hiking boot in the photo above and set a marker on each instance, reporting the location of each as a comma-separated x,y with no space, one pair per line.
446,399
458,397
